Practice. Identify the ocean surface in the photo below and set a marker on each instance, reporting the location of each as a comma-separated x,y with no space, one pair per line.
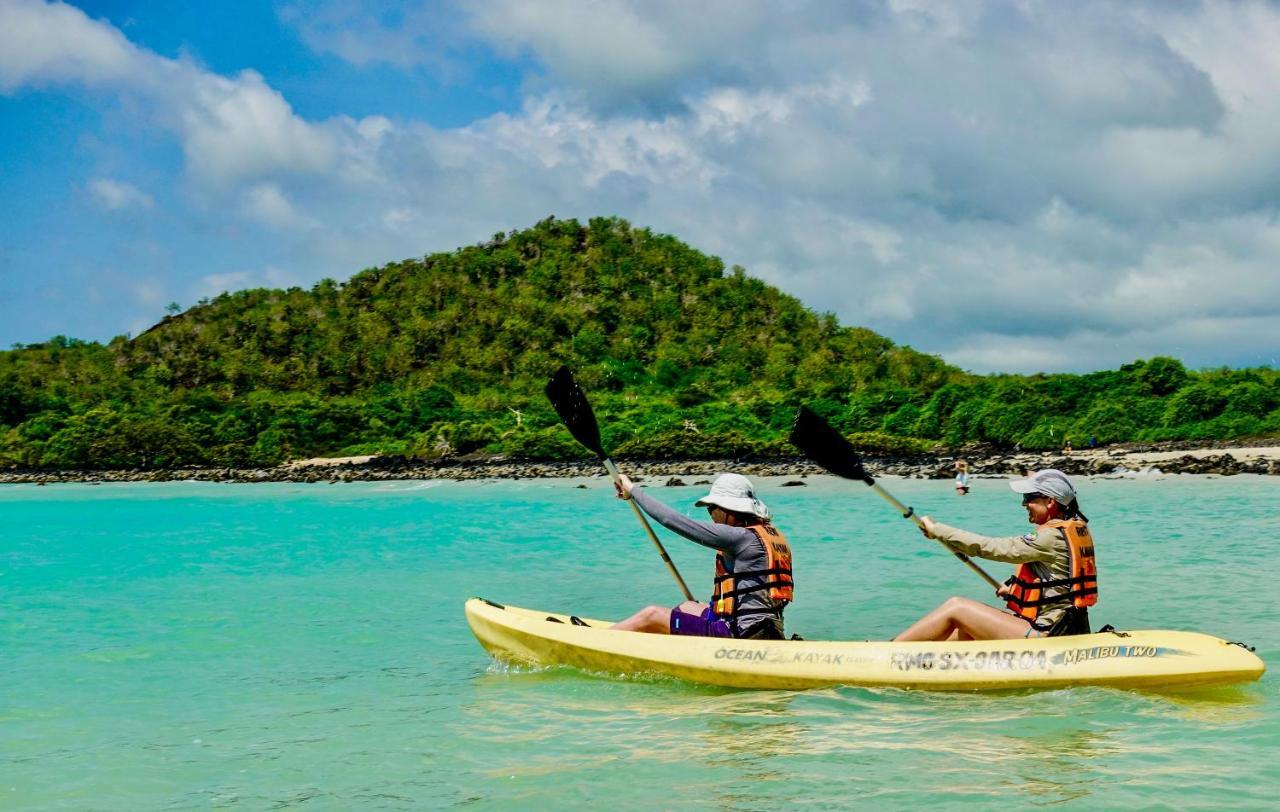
213,646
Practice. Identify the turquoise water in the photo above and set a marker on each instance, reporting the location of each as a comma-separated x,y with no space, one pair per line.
196,645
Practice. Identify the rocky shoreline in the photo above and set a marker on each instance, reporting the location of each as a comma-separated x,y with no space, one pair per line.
1198,459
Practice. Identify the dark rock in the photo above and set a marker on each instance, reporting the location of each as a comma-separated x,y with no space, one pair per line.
675,482
794,483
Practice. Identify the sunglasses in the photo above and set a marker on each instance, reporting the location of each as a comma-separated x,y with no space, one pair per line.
1031,497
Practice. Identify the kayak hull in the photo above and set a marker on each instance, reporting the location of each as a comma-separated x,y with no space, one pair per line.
1135,659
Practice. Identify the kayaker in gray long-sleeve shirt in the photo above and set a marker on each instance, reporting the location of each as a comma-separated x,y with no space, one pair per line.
753,581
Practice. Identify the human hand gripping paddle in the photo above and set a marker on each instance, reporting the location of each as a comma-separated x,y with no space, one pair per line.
829,449
570,402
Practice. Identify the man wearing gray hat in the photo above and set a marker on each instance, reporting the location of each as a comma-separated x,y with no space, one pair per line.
1054,586
753,581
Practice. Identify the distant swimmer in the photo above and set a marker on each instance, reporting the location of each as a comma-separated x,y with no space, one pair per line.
962,477
1052,590
753,582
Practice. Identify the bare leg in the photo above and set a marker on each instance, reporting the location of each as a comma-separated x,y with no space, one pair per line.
657,619
653,619
967,620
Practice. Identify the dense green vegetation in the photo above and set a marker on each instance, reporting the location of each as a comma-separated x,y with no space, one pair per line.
448,355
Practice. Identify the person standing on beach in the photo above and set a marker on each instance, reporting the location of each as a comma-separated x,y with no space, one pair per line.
962,477
753,581
1052,590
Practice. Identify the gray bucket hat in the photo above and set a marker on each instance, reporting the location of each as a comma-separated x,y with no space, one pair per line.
734,492
1051,482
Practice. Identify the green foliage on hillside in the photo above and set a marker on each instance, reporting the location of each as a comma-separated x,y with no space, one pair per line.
448,355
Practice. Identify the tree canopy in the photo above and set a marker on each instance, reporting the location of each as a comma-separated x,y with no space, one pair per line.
448,354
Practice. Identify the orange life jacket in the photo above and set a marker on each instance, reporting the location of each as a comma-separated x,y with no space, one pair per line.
1027,589
775,578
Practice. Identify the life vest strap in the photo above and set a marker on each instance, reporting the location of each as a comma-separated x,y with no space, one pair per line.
1059,598
729,576
764,585
1077,581
763,610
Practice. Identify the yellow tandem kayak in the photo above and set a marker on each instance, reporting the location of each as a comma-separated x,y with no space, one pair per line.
1133,659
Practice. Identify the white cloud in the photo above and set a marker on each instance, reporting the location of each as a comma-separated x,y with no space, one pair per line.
237,129
1252,340
267,203
397,33
115,195
1016,185
50,43
231,129
620,52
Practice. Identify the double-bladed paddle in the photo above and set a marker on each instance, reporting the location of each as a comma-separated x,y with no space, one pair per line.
570,402
829,449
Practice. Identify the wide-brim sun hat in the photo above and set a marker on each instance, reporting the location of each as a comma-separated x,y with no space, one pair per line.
736,493
1051,482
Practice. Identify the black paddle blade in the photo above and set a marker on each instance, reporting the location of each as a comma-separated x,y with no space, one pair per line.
827,447
570,402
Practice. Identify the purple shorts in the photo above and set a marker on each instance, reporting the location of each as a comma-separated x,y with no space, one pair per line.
703,625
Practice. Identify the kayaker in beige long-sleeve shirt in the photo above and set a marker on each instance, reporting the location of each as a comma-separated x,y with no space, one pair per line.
1051,592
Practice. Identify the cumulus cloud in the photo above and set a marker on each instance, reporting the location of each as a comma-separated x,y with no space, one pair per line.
1013,185
398,32
115,195
267,203
44,44
618,52
236,129
231,129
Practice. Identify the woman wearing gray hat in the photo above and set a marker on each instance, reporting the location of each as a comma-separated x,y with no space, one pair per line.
753,582
1052,590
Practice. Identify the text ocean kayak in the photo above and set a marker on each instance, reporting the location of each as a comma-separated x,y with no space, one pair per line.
1133,659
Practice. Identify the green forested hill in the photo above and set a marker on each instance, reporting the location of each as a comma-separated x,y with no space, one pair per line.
448,355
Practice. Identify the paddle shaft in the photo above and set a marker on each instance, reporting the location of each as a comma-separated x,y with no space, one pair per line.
662,551
570,402
909,513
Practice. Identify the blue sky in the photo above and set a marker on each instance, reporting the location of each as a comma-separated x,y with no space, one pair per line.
1015,186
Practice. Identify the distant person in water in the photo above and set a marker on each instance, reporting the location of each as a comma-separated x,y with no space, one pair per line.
962,477
753,582
1052,590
